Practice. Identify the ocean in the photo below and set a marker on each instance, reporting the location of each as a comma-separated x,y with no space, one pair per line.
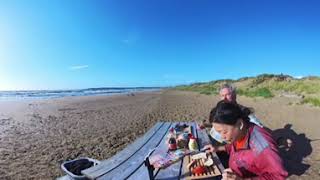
48,94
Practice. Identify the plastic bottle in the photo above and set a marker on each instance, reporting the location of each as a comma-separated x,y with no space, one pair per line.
193,145
172,144
171,133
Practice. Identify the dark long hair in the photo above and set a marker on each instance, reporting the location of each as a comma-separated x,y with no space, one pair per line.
229,113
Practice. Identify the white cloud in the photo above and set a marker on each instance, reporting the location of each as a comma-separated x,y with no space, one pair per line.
78,67
298,77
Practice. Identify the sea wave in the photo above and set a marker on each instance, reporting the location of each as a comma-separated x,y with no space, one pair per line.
47,94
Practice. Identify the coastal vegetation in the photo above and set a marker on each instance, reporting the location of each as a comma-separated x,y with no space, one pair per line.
265,86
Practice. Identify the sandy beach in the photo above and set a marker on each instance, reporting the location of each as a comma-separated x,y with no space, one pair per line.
37,136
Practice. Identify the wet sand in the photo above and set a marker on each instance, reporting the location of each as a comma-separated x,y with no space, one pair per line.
37,136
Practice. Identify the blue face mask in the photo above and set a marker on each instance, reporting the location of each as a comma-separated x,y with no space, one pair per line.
215,135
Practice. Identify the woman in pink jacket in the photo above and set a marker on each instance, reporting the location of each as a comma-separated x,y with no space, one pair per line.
253,153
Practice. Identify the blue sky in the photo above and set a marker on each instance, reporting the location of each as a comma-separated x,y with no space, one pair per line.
66,44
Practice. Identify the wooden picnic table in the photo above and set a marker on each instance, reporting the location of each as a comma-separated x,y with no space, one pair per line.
130,162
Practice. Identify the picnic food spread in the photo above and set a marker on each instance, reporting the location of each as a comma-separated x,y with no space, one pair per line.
181,144
200,166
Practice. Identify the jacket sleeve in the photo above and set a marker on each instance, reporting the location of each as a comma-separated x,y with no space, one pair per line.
269,165
228,148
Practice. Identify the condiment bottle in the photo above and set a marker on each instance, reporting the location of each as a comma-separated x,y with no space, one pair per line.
171,133
172,144
193,145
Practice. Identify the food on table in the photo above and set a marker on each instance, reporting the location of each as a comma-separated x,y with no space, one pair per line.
191,163
208,162
182,142
199,170
202,155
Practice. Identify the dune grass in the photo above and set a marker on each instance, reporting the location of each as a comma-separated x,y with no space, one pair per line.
266,86
210,88
259,92
298,87
312,101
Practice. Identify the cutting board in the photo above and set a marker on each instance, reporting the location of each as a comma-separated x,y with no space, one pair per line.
211,171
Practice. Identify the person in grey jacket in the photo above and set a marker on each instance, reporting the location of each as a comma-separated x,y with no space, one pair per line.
228,94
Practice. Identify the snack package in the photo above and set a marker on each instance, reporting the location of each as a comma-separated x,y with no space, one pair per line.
163,159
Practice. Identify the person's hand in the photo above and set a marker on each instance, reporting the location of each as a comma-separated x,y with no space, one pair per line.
228,174
210,148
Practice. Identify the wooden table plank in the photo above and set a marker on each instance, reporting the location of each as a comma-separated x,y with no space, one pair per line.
116,160
128,167
142,172
173,171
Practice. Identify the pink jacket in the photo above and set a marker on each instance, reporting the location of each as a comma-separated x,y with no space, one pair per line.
259,159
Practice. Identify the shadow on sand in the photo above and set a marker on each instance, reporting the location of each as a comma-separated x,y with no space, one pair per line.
293,148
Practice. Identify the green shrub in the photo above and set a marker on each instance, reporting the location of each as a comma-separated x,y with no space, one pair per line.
207,89
264,85
206,92
259,92
312,101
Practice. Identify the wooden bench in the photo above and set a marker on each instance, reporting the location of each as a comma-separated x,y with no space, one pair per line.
130,162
